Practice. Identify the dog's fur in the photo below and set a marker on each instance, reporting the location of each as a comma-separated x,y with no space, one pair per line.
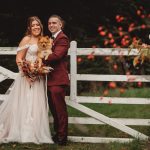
44,48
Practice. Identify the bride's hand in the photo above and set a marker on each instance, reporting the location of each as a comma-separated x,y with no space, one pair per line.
20,64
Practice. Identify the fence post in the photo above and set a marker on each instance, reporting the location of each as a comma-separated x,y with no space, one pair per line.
73,70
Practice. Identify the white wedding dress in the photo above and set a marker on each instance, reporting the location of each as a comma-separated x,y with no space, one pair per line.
24,114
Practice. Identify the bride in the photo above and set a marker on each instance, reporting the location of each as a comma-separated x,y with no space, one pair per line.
24,114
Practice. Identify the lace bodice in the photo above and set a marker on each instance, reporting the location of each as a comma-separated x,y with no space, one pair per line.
31,54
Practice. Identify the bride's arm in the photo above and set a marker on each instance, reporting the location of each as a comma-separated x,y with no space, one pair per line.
21,50
21,53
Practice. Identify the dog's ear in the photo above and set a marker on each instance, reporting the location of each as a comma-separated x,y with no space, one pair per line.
47,37
39,37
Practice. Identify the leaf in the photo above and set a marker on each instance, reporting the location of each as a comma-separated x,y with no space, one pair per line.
143,52
136,61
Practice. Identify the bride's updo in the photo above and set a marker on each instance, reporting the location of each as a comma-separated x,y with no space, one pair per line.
29,23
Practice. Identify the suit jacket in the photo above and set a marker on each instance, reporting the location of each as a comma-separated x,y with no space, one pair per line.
58,61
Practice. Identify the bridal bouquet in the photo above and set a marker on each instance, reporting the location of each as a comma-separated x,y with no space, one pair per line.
143,51
32,70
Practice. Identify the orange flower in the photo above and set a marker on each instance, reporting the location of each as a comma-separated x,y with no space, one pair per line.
100,28
138,12
139,84
112,85
115,67
107,58
142,16
91,57
112,41
122,90
79,59
143,26
102,33
110,35
105,93
120,28
106,42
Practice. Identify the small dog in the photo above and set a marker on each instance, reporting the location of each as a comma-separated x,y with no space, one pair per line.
44,48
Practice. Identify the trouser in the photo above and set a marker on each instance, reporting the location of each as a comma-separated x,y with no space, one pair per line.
58,108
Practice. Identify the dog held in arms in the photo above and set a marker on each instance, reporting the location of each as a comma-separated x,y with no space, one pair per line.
44,49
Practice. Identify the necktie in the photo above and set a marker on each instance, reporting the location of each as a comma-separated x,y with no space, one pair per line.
53,37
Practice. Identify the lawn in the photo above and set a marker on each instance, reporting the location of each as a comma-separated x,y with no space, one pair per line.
115,111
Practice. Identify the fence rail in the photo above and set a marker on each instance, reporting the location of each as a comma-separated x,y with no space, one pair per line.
76,101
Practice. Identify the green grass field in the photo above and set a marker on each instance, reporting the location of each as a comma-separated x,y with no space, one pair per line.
135,145
115,111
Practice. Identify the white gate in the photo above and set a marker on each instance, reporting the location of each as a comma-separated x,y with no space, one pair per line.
76,101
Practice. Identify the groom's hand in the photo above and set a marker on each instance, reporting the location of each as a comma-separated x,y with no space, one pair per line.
44,61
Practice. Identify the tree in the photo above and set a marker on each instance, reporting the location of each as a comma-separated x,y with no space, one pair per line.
130,21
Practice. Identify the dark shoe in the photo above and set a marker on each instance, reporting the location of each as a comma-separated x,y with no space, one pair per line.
59,141
55,139
62,143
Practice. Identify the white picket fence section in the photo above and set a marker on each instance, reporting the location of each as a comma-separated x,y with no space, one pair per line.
76,101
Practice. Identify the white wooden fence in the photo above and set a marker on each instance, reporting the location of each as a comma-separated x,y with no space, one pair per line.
76,101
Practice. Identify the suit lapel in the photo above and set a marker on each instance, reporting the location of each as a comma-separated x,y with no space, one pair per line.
57,37
55,40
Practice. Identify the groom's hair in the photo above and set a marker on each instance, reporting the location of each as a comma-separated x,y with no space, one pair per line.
58,17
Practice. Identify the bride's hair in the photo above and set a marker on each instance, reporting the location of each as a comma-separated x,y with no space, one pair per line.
29,23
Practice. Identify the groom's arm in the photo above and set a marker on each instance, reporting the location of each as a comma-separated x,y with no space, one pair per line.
60,50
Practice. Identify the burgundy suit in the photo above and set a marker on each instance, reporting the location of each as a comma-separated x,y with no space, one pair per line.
57,82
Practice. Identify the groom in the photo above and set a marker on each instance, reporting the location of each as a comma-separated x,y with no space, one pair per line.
58,79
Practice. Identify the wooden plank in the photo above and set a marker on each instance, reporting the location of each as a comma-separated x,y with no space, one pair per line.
112,100
89,120
2,77
106,51
98,139
103,100
73,71
107,120
81,51
93,121
93,77
105,77
8,50
10,88
125,121
8,73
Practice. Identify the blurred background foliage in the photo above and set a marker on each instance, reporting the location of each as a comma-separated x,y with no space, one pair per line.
104,24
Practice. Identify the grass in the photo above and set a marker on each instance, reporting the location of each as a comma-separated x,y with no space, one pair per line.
116,111
129,92
135,145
